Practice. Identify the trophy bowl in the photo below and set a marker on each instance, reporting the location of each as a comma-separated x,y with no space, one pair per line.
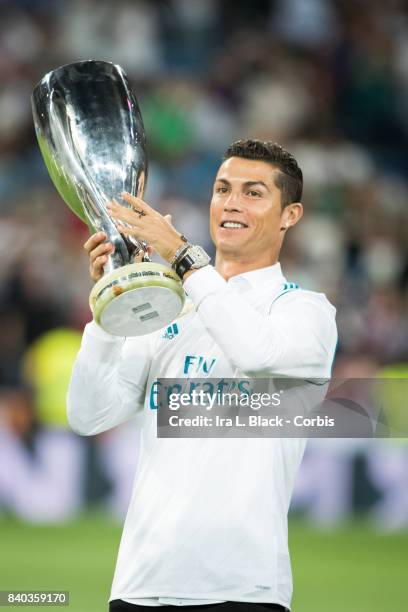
91,135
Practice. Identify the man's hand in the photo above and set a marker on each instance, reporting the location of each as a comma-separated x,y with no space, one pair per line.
98,250
146,224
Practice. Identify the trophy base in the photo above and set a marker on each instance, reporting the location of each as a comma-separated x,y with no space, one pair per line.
137,299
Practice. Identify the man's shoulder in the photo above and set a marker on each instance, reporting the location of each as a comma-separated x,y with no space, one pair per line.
293,293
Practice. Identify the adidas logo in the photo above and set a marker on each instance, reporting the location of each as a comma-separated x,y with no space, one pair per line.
171,332
288,286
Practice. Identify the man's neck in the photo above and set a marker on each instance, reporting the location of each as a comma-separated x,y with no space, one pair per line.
231,266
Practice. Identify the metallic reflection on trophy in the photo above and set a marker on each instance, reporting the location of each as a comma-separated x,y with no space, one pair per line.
91,135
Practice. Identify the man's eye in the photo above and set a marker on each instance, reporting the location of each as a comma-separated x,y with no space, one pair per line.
254,194
221,190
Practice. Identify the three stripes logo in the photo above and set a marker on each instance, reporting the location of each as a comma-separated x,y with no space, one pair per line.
171,332
286,287
289,286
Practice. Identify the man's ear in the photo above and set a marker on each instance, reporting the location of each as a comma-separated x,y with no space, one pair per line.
291,214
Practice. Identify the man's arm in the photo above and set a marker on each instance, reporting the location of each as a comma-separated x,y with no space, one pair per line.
296,338
108,381
109,375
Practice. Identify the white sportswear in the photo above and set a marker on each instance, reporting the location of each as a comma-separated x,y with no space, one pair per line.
207,521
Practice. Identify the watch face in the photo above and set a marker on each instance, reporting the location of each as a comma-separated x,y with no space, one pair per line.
195,257
199,257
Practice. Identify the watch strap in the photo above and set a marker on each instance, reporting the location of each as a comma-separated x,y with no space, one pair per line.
183,265
182,248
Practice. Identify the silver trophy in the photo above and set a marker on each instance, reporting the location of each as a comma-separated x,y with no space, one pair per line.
91,135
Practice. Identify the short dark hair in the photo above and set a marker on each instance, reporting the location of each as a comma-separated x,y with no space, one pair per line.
289,179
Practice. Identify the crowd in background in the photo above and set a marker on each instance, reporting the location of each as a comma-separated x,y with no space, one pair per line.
327,79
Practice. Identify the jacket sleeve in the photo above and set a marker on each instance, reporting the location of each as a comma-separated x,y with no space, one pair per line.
296,338
108,380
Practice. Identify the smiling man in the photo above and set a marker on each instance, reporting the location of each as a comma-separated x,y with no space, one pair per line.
207,522
253,204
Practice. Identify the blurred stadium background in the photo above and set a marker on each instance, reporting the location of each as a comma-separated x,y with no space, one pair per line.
327,79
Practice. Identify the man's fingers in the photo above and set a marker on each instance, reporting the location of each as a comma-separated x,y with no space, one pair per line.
103,249
138,258
168,219
119,213
94,241
98,250
136,203
99,263
97,267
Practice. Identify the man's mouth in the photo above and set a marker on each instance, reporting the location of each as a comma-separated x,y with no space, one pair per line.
233,225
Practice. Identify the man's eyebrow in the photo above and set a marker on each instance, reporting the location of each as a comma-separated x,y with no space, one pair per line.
245,184
252,183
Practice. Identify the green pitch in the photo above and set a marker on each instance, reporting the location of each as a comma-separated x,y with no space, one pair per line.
353,569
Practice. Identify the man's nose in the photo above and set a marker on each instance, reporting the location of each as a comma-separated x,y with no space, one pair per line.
232,203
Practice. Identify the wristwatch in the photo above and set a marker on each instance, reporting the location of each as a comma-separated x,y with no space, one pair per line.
192,257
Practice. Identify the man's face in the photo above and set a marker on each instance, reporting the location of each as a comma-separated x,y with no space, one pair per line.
245,214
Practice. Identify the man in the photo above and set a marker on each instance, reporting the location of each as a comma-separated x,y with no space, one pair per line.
207,522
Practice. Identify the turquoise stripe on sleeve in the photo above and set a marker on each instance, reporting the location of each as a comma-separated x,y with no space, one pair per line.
286,287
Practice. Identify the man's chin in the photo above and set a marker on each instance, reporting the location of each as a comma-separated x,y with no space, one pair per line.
231,247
